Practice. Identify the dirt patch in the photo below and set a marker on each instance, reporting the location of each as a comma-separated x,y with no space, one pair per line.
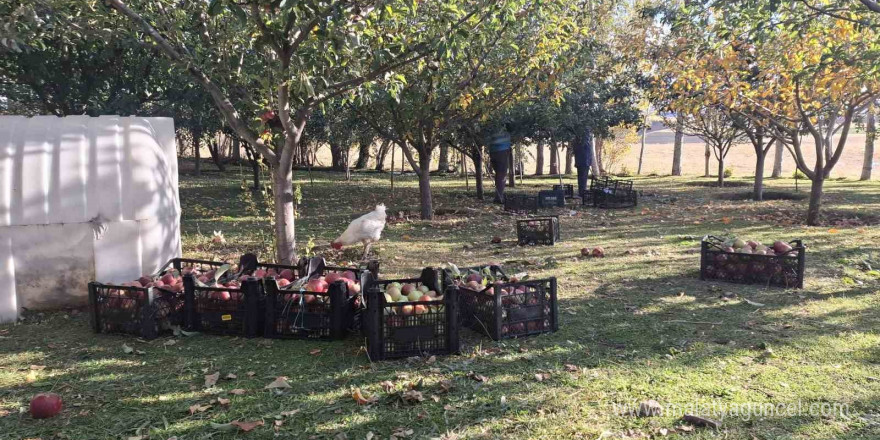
714,184
768,195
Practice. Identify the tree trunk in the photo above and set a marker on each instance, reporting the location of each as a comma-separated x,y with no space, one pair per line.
425,201
642,151
337,158
539,158
443,163
197,141
599,145
477,157
815,199
554,158
236,149
363,155
214,149
778,149
511,168
569,156
721,173
676,150
708,158
758,191
254,157
381,154
282,191
870,135
597,171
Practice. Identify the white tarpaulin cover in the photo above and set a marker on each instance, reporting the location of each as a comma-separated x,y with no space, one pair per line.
81,199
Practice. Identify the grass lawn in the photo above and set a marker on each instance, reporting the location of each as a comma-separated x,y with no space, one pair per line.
634,326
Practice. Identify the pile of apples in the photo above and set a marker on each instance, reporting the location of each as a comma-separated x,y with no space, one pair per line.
741,246
400,293
319,284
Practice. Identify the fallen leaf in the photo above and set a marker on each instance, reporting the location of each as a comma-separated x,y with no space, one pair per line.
540,377
477,377
250,374
750,302
223,401
280,382
359,397
247,426
412,396
387,385
37,367
445,385
833,231
370,435
315,351
31,376
725,220
170,342
278,424
198,408
126,349
211,379
289,413
571,368
230,376
238,391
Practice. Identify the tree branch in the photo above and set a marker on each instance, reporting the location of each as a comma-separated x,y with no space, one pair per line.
223,104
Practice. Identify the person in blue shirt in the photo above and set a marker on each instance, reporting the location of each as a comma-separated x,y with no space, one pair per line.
583,160
499,148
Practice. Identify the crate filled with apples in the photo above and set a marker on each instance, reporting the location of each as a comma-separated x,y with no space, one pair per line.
225,301
738,260
146,306
504,307
321,305
410,317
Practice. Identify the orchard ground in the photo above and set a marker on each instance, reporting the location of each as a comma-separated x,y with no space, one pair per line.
634,326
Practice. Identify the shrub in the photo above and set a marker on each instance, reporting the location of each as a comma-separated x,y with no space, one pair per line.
797,174
624,172
728,172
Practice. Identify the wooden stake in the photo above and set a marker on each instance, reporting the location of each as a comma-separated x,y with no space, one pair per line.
393,150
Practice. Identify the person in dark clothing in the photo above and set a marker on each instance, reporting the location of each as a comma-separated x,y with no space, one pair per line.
499,150
583,160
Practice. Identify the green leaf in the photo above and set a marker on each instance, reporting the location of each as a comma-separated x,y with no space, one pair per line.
215,7
238,12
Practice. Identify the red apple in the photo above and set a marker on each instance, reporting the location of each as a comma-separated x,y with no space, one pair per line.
317,285
45,405
407,289
221,295
260,273
474,277
287,274
283,283
145,280
332,276
168,278
425,298
350,275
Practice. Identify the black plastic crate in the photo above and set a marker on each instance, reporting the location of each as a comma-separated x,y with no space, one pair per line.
504,309
538,231
551,199
566,188
304,314
247,266
234,311
410,328
521,203
139,311
610,198
372,266
770,270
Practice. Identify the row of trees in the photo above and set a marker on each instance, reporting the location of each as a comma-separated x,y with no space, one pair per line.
768,72
283,78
